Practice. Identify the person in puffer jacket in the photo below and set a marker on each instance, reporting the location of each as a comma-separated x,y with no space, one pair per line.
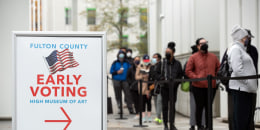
241,64
119,70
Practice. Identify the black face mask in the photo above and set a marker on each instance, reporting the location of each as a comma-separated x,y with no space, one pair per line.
247,42
168,56
137,62
204,48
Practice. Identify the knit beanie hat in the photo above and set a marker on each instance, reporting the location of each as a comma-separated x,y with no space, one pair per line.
238,33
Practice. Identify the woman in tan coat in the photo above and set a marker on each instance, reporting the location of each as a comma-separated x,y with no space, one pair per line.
142,73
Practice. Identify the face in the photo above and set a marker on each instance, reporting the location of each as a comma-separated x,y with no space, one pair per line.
156,57
169,51
244,39
202,41
137,59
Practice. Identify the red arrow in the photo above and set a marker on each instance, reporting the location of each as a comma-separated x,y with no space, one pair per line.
68,119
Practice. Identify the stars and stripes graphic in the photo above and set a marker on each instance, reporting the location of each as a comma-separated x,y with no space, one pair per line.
59,61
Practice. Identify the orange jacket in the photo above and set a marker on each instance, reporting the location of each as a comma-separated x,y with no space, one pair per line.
201,65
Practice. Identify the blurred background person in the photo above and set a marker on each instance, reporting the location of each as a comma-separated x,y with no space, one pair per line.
195,49
242,91
252,51
142,73
154,75
200,65
172,69
119,70
129,58
133,84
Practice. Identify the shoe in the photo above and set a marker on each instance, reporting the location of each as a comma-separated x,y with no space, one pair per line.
136,117
159,121
150,119
131,112
144,120
201,128
166,128
192,128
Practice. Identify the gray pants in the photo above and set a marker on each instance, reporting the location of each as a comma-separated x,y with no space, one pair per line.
120,86
193,111
158,105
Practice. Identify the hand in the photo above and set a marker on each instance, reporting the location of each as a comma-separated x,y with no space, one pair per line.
148,94
120,71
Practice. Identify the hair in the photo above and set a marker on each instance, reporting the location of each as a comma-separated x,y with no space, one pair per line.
137,57
198,40
158,55
120,53
129,50
125,48
171,45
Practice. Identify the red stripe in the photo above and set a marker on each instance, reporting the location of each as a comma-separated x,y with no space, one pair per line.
63,66
65,60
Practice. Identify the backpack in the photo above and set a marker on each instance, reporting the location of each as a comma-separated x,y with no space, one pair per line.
224,70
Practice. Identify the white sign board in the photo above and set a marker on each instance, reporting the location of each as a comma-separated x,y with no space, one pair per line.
60,81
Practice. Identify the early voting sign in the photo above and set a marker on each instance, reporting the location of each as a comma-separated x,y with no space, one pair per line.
59,81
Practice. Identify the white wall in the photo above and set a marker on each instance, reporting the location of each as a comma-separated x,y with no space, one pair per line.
183,22
14,17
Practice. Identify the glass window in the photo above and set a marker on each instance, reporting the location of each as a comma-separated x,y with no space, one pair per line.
143,17
68,16
91,16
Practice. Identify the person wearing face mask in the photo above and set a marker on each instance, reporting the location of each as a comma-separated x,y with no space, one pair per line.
142,73
154,75
119,70
252,51
195,49
172,69
129,58
133,85
242,91
200,65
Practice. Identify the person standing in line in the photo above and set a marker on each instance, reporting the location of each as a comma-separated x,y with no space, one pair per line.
134,85
252,51
119,70
242,91
154,75
195,48
123,49
200,65
142,73
129,58
172,69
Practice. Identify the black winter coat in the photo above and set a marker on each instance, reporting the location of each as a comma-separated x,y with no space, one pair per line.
171,70
131,78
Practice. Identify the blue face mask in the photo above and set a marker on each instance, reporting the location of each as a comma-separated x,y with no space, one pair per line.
154,61
121,56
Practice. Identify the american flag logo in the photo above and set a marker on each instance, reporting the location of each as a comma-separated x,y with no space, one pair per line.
59,61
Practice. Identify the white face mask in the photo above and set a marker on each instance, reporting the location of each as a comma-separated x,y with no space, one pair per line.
128,54
154,61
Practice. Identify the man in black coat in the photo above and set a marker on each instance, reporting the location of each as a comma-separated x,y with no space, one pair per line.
252,51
